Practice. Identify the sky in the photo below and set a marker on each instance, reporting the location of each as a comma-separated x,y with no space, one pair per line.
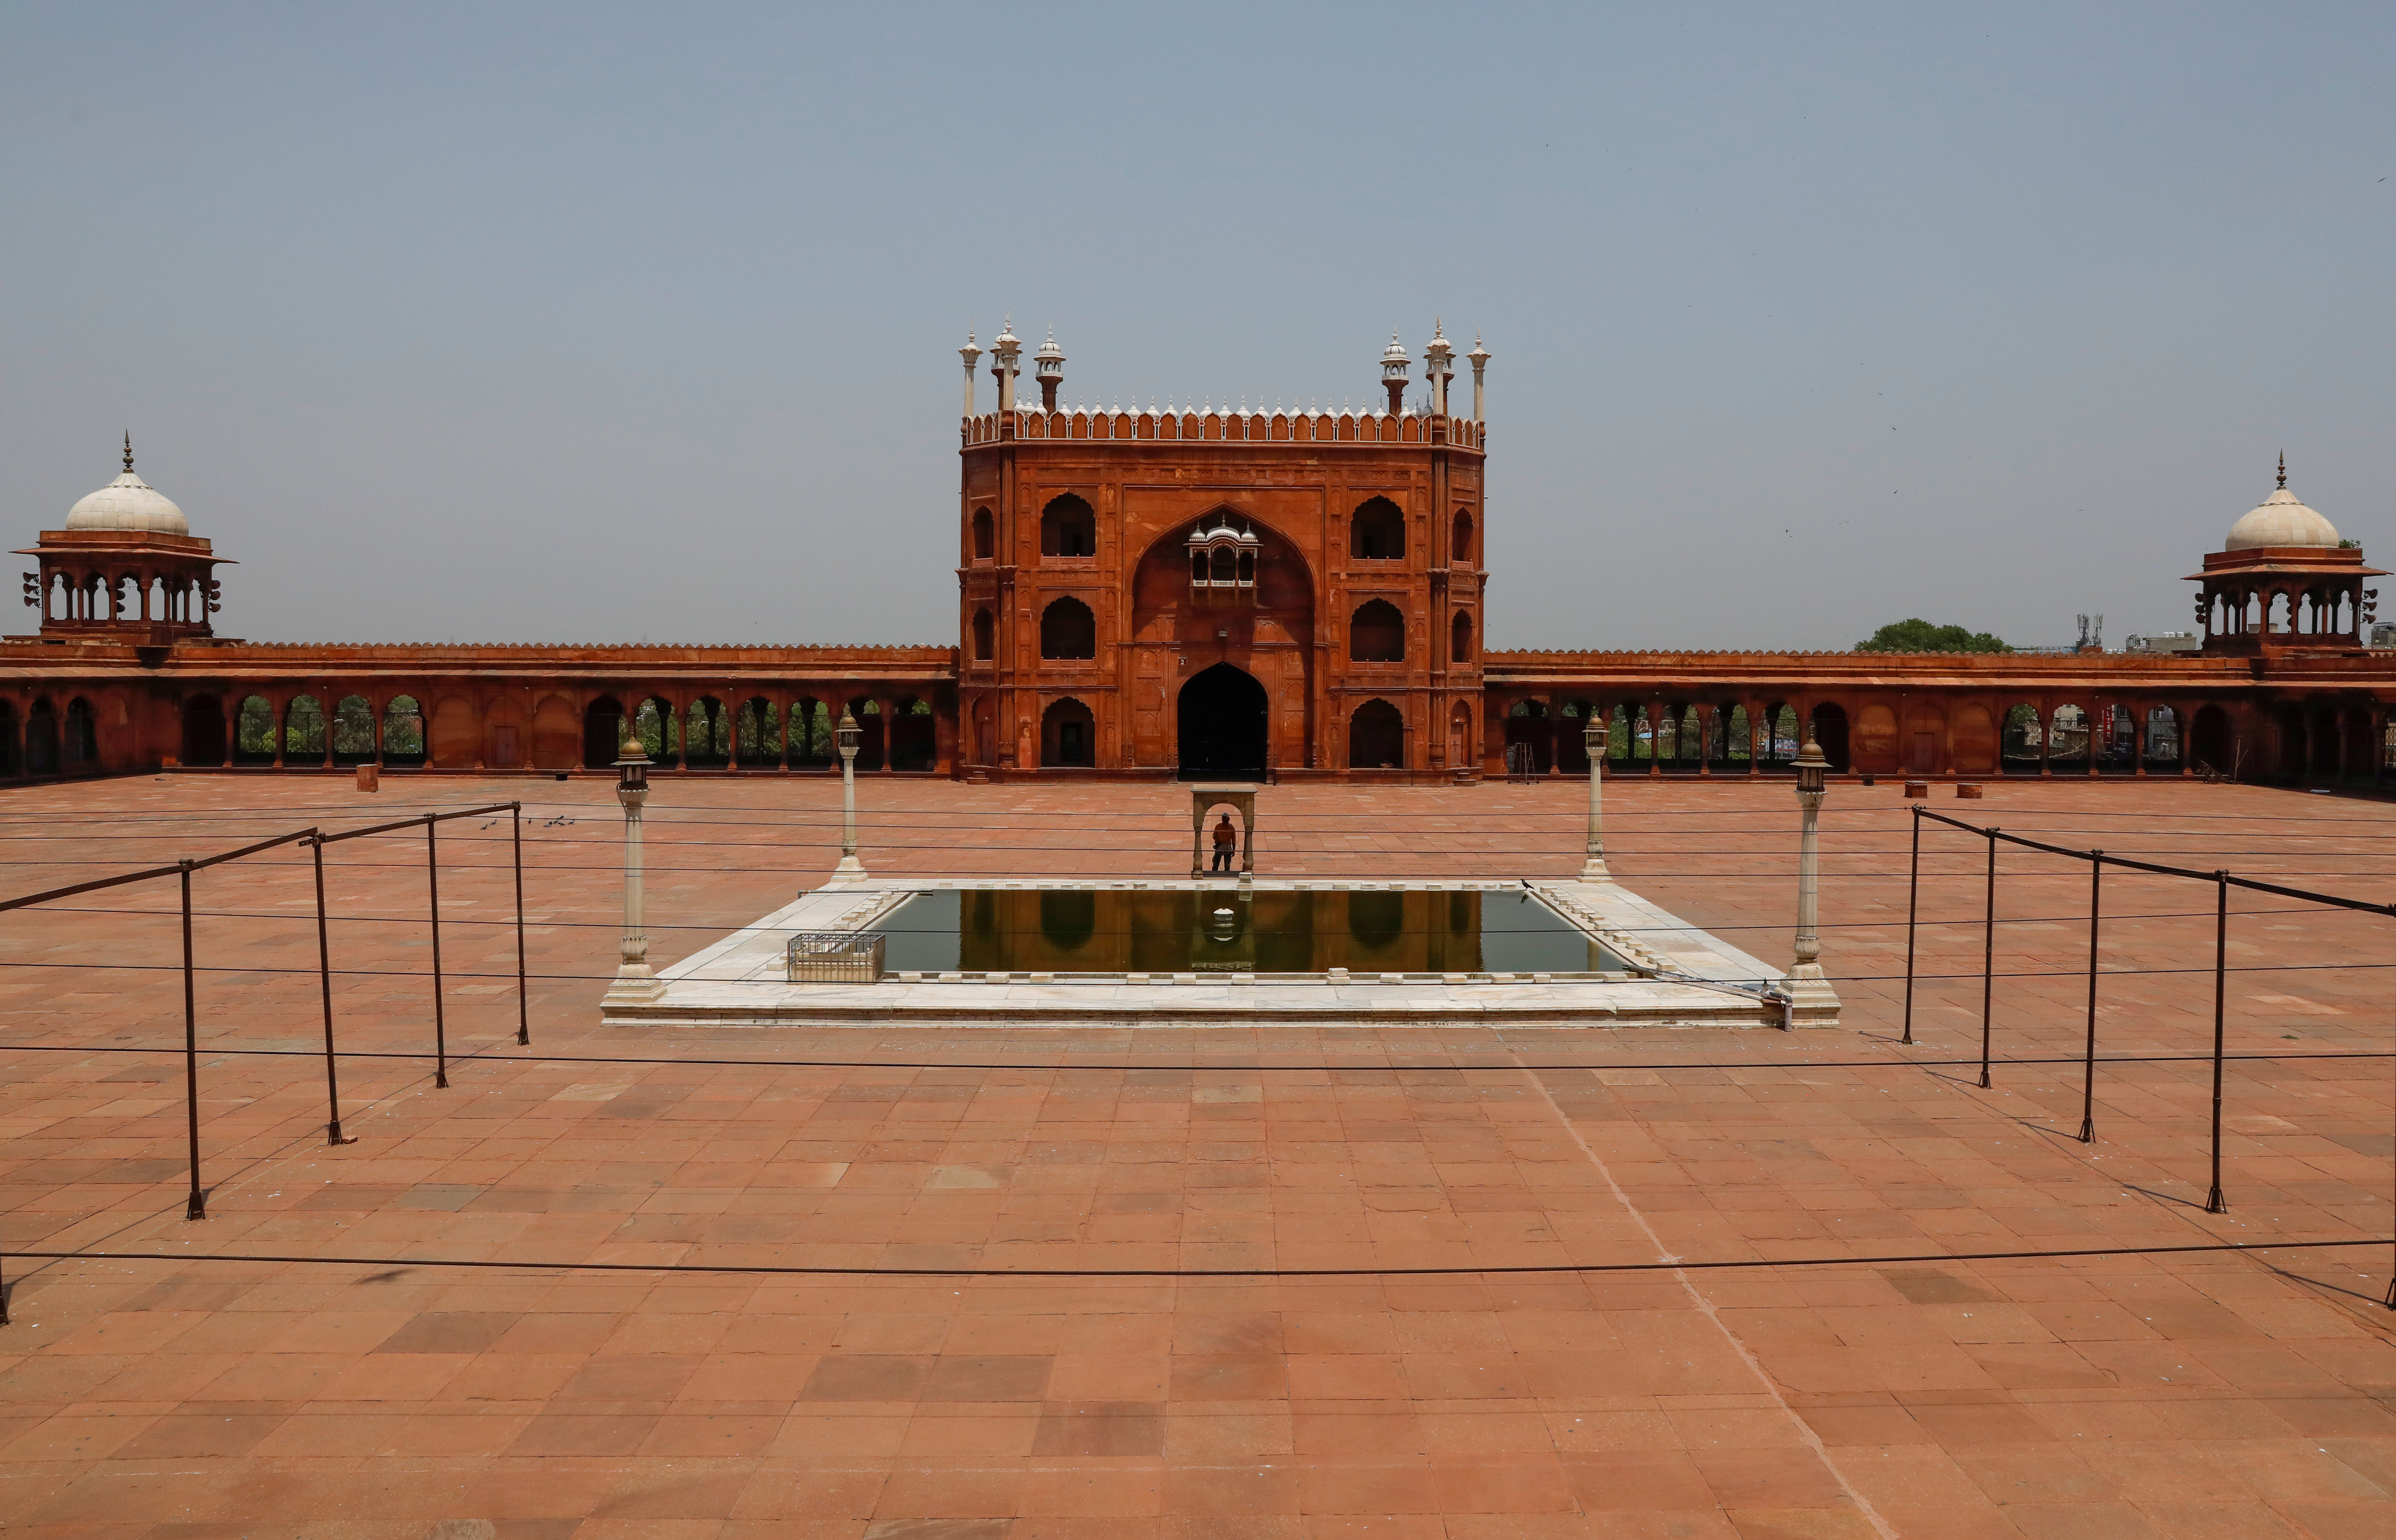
613,324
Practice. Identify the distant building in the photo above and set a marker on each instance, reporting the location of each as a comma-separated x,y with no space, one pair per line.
1210,591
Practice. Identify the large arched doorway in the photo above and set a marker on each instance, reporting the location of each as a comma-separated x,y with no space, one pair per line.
1222,724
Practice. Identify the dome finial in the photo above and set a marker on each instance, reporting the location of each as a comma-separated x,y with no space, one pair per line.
128,455
2284,467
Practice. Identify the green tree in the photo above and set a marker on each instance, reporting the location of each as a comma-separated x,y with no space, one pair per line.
1919,636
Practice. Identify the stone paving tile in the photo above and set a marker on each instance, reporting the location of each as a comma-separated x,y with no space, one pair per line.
2193,1394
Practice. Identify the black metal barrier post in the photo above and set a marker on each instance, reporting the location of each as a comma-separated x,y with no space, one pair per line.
1912,892
333,1135
2088,1063
440,1028
523,1007
1988,964
2213,1204
197,1206
432,882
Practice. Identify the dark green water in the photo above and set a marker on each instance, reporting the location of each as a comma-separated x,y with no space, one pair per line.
1114,930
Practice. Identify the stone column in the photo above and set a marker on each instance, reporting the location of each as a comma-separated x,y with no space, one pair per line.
1655,710
635,984
1809,989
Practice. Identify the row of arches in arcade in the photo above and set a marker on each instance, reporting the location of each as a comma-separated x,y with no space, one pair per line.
706,733
46,740
1541,737
1069,632
1222,730
1069,531
125,596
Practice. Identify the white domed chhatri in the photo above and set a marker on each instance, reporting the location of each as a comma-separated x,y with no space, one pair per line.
2282,520
128,502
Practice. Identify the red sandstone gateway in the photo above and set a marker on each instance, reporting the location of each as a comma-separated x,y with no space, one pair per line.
1213,593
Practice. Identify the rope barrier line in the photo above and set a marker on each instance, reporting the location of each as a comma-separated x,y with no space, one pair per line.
1066,980
485,1056
774,1269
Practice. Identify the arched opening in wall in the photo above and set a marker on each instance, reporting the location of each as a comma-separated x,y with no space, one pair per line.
1462,751
2290,721
1622,736
204,732
706,735
42,738
2162,738
253,732
602,732
1067,629
1780,741
911,746
125,598
1830,732
2283,614
1377,633
1459,546
1377,532
353,731
1376,737
1459,639
1068,527
2117,740
1068,736
1222,724
985,535
985,636
12,742
303,731
1722,724
2360,762
985,745
82,735
873,733
2020,740
1530,738
2067,734
757,734
810,738
1571,746
1739,738
652,721
403,730
2321,750
2210,745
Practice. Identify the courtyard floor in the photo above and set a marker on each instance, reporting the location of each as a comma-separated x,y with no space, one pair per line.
1406,1282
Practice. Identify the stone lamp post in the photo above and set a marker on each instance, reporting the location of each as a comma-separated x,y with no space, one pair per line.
1595,734
848,736
1808,988
635,983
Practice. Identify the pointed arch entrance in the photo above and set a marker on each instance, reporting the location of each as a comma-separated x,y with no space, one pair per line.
1222,724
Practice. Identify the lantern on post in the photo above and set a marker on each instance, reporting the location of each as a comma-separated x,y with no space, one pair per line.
1809,991
848,736
635,983
1594,736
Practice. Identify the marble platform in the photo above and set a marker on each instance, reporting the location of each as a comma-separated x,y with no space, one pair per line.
1683,977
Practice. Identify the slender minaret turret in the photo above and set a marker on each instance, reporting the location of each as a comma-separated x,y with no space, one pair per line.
1479,359
1439,367
970,354
1004,348
1394,364
1048,367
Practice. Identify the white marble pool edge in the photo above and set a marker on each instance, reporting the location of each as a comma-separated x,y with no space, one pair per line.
1693,978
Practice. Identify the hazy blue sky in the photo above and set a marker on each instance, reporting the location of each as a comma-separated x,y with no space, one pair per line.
596,322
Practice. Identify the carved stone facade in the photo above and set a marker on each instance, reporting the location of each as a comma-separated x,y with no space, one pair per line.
1221,592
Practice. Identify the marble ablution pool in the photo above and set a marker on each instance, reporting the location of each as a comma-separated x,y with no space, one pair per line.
1226,952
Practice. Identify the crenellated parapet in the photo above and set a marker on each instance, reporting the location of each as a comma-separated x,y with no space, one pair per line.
1214,425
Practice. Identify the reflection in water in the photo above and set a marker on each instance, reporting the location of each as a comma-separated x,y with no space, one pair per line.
1088,930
